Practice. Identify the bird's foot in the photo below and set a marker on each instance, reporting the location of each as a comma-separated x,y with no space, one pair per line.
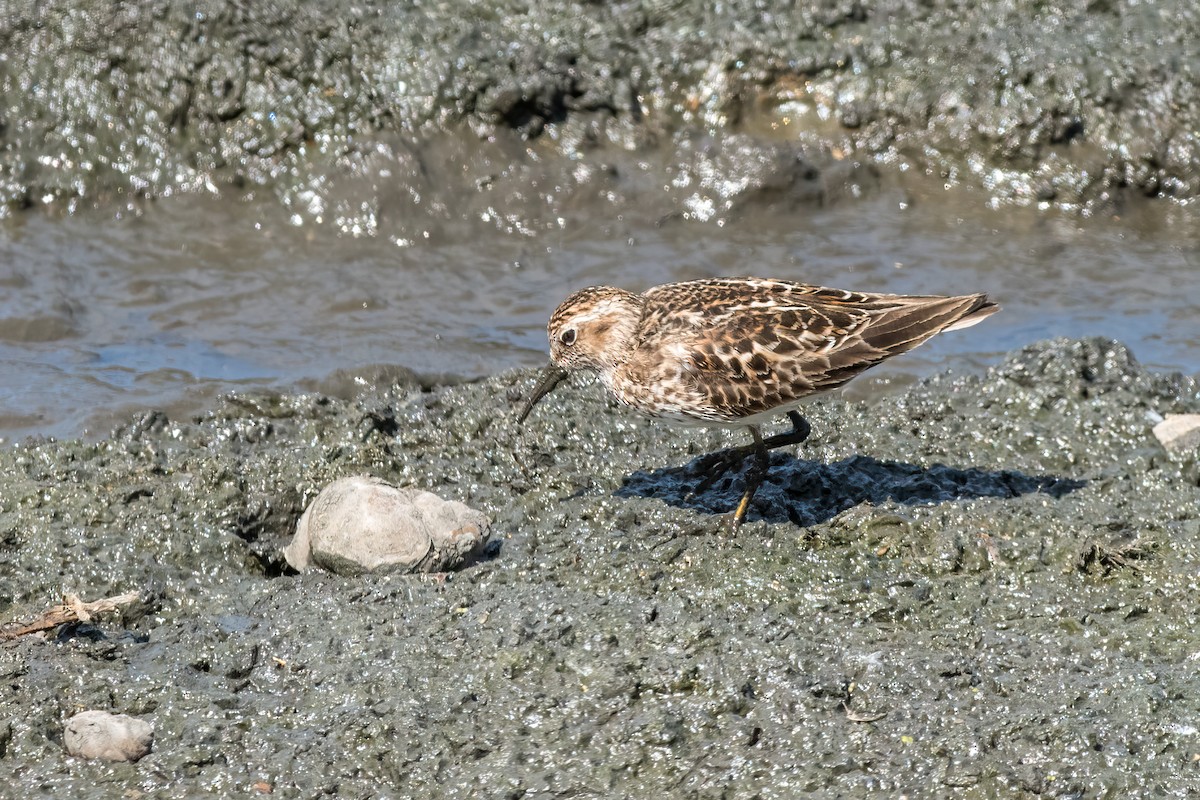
754,479
715,465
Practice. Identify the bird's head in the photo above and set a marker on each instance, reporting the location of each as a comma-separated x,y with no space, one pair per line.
592,329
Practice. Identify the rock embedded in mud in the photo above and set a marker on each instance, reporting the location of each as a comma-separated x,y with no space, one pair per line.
111,737
363,524
1179,432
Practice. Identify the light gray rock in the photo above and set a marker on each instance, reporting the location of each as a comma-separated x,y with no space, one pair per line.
1179,432
111,737
363,524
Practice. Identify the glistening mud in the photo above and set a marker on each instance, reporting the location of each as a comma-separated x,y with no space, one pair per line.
990,594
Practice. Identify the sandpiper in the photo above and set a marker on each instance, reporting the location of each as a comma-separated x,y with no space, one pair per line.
737,351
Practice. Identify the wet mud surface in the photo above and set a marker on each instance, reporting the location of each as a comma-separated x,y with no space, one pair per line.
983,586
349,113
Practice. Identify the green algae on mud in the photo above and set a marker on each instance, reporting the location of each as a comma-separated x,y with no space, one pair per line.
966,631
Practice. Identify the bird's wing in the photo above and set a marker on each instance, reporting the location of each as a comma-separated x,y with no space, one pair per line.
748,345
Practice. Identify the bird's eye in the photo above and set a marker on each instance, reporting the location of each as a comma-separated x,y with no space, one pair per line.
567,337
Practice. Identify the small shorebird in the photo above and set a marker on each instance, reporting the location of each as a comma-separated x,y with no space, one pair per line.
736,351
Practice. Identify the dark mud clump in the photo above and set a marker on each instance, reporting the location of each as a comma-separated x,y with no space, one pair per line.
383,117
988,590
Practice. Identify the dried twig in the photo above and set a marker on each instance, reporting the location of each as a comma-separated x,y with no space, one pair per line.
72,609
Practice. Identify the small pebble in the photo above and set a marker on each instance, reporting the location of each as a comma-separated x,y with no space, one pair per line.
363,524
1179,432
111,737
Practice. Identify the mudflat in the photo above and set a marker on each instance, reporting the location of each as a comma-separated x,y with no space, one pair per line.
981,586
249,249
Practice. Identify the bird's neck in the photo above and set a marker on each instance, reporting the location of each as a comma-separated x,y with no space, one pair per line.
617,333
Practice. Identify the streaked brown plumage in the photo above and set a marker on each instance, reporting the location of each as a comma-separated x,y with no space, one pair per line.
734,351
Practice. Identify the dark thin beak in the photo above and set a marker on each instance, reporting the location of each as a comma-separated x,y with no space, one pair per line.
552,376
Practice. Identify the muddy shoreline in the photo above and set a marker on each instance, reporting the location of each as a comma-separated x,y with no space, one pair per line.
381,119
981,586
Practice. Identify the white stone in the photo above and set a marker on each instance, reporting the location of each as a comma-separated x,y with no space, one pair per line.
1179,432
364,524
112,737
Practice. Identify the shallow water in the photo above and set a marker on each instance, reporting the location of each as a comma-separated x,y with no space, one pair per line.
196,296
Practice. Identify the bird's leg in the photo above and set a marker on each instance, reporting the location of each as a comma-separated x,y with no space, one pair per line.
799,432
762,462
754,476
717,464
714,465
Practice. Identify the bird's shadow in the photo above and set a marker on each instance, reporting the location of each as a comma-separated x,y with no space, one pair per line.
810,492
